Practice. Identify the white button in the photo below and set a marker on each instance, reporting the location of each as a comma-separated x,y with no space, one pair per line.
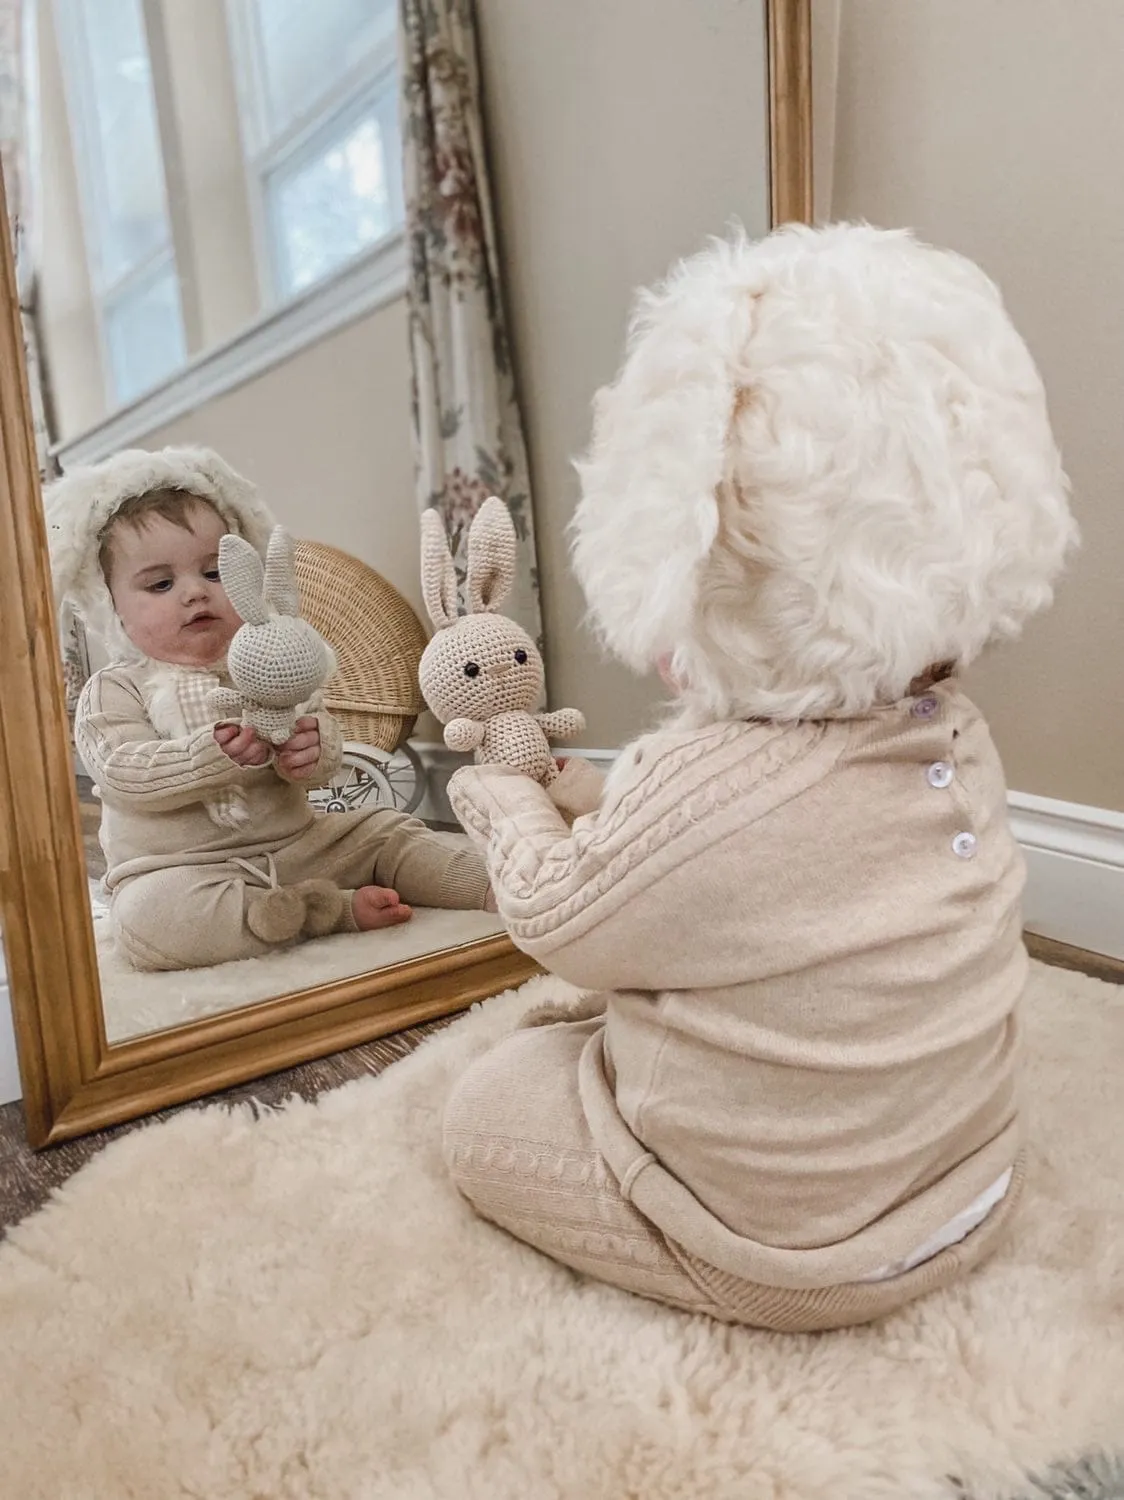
964,845
940,774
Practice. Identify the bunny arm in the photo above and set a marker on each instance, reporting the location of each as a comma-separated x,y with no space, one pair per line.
562,724
464,734
227,705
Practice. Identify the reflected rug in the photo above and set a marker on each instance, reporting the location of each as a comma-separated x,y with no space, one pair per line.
295,1305
137,1004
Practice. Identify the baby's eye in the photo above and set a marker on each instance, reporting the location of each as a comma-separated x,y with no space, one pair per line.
161,586
471,669
212,574
521,657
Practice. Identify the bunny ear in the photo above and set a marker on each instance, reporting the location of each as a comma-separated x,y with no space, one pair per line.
439,575
243,578
280,574
491,557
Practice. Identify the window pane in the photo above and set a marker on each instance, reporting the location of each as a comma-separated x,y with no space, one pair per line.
306,49
144,333
328,208
122,149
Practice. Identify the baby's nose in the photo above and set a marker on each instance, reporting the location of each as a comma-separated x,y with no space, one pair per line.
499,669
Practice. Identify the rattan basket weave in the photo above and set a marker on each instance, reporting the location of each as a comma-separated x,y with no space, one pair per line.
377,638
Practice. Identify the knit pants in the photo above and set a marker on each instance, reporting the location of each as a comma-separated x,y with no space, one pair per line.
519,1148
190,915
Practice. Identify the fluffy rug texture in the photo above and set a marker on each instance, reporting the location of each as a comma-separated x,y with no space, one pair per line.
136,1004
299,1307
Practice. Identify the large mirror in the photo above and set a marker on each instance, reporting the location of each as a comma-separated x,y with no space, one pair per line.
216,189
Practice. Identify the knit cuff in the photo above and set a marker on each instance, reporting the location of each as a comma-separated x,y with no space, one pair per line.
465,885
347,921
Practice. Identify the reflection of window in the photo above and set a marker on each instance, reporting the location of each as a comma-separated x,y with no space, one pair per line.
320,124
121,185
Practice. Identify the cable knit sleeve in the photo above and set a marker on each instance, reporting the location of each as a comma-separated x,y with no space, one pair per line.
616,901
133,767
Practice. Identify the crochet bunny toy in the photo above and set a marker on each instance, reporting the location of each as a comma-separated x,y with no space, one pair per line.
276,661
481,674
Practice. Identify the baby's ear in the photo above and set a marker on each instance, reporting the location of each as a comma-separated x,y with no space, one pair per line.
491,557
243,578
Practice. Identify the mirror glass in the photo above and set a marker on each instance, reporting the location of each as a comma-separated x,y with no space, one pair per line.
205,165
208,172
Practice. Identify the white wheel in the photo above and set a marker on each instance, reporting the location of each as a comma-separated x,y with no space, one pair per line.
371,778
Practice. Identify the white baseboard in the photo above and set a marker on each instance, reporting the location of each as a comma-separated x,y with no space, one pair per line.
1074,855
1075,871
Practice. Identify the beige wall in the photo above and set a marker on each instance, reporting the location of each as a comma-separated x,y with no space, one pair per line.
620,136
997,128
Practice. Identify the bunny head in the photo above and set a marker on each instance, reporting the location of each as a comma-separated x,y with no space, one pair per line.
480,664
276,659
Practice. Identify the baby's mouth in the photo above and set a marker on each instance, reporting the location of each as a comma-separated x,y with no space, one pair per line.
200,620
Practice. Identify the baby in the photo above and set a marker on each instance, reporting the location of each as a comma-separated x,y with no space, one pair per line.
823,481
213,850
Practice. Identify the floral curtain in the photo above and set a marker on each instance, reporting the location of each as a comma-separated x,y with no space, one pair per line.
467,428
19,156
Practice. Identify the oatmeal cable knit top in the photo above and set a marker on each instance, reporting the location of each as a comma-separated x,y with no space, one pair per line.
810,936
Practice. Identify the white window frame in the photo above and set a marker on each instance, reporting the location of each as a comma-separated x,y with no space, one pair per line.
106,292
347,100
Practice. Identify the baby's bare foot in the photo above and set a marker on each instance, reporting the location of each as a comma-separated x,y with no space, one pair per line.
372,906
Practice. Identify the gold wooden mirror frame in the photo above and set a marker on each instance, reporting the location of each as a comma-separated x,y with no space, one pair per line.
73,1080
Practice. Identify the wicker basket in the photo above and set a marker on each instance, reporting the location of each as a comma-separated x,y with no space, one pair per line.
378,641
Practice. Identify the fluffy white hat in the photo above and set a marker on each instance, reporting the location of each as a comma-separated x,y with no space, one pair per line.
825,466
80,505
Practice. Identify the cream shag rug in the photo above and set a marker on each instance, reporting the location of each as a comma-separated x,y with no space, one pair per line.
299,1307
136,1004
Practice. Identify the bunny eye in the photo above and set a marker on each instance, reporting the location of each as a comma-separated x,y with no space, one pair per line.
521,657
471,669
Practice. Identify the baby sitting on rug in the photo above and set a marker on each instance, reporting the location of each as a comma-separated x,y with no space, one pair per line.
823,482
213,850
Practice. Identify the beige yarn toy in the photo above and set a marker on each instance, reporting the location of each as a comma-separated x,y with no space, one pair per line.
481,674
276,661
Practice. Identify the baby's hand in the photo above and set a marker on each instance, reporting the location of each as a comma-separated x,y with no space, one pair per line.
242,744
300,754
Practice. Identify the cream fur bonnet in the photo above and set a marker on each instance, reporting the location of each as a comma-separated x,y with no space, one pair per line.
825,466
83,502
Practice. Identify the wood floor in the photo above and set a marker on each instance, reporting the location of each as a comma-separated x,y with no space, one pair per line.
27,1178
1062,956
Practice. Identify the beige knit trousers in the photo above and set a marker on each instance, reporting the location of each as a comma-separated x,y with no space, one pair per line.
518,1147
187,916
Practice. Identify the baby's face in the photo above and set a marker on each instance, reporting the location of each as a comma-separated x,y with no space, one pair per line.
165,585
